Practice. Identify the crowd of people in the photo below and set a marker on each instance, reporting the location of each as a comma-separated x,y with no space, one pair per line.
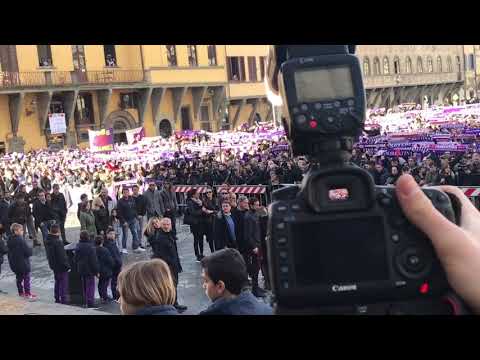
35,194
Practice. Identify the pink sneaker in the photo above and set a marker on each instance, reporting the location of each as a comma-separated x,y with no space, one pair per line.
31,297
21,295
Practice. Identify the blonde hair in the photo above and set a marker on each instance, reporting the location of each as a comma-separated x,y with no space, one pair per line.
146,283
14,227
150,229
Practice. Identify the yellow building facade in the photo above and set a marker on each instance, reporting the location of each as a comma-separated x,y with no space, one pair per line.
163,88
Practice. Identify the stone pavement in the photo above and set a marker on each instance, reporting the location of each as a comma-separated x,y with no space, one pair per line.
190,291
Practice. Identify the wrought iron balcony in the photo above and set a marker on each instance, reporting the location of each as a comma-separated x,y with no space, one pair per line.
10,80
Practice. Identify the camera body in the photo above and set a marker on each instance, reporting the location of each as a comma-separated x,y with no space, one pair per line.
340,240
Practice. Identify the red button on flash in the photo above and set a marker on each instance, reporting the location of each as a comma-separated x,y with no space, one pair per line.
313,124
424,288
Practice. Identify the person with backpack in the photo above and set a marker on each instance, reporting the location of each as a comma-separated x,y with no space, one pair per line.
87,267
105,265
110,244
19,254
58,263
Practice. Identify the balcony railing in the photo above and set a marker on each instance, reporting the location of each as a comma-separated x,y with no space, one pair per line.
68,78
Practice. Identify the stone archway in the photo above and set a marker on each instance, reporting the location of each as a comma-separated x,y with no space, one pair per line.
120,122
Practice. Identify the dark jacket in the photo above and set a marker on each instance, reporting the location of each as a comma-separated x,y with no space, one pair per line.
42,212
221,234
194,212
86,259
140,204
243,304
164,246
56,254
105,262
252,235
239,219
4,207
112,247
158,310
101,219
169,200
19,254
18,212
126,209
33,195
59,207
210,205
3,250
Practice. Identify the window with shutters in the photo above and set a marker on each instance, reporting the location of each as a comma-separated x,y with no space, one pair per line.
471,61
110,55
205,118
386,66
236,68
44,55
459,64
171,55
396,65
419,65
429,64
439,64
252,68
376,67
449,64
262,68
408,65
366,66
192,55
212,55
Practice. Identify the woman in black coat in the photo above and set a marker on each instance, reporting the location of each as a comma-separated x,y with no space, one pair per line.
102,217
194,218
210,204
164,246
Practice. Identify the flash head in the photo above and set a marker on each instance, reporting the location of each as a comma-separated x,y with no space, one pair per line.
323,98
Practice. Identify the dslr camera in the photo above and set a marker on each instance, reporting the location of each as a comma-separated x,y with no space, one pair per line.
337,243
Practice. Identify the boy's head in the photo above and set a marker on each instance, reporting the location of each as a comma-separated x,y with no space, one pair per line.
111,234
224,273
99,240
17,229
55,229
84,236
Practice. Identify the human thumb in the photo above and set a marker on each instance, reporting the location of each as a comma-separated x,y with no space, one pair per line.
421,212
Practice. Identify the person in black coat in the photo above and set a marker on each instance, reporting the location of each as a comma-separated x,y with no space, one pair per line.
164,246
87,267
100,212
253,241
4,205
58,262
18,211
224,228
110,244
211,208
141,206
105,265
19,254
59,208
3,251
43,213
194,218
